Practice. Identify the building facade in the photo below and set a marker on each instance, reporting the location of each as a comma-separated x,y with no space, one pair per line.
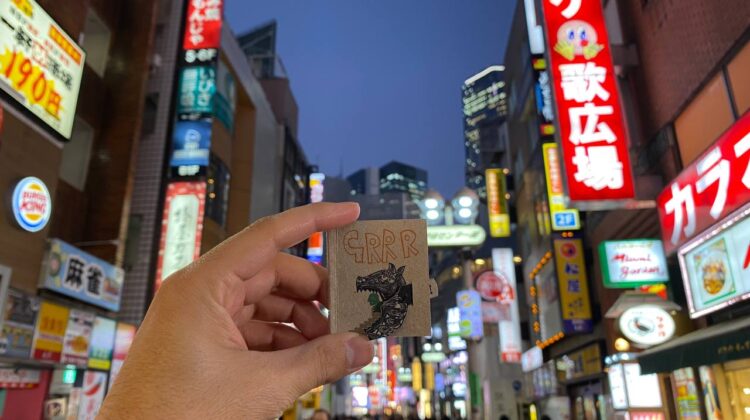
400,177
365,181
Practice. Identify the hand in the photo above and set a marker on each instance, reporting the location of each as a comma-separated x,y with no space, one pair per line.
212,344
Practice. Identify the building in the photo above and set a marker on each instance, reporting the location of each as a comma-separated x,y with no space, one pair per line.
365,181
484,107
400,177
387,206
65,163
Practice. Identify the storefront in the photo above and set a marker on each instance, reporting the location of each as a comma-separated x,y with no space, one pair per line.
580,373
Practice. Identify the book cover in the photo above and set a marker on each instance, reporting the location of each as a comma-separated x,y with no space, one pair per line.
379,278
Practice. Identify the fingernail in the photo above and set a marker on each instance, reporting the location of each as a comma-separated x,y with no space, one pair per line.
358,353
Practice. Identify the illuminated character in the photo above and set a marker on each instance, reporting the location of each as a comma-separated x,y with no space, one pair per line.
391,296
575,38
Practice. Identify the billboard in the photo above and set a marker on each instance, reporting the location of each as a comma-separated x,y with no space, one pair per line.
545,113
497,203
563,218
716,267
69,271
470,313
573,286
196,92
191,143
19,320
41,65
181,228
708,190
592,131
632,263
510,327
77,338
50,332
203,24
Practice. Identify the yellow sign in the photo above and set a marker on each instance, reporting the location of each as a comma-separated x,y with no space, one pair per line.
573,285
429,376
562,217
497,203
416,374
50,331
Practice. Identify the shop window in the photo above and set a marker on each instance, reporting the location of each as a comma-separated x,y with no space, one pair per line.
95,40
705,118
738,71
76,153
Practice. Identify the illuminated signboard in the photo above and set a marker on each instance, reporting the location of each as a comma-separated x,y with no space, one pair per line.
455,342
196,92
509,327
19,319
532,359
646,325
181,228
497,203
470,312
543,94
50,332
632,263
562,217
102,343
191,144
573,286
592,127
77,338
711,188
315,243
203,24
41,65
455,236
716,267
31,204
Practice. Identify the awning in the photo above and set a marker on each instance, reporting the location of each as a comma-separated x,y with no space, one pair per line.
720,343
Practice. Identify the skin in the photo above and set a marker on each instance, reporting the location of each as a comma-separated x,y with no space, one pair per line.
213,345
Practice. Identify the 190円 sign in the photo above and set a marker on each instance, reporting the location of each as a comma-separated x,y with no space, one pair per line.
592,129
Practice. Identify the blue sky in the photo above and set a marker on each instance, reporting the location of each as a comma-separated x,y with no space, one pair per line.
378,80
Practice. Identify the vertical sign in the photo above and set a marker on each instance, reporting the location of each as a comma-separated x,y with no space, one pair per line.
92,396
123,339
497,204
181,227
102,343
470,312
77,338
543,93
563,218
19,317
315,243
50,332
592,128
203,25
510,327
573,286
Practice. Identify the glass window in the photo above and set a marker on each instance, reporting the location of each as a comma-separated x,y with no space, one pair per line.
76,153
705,118
739,78
95,41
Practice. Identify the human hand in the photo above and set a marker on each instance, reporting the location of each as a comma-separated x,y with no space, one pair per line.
212,344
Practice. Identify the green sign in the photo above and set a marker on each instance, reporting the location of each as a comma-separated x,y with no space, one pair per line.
632,263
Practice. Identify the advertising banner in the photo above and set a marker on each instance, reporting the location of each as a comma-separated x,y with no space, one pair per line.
203,24
181,228
50,332
592,128
562,217
19,319
632,263
92,396
709,189
191,143
77,338
573,286
470,313
19,378
41,65
102,343
509,327
225,100
124,336
497,204
80,275
545,113
196,92
716,268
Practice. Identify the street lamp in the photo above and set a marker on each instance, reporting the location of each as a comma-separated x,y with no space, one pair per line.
433,208
465,205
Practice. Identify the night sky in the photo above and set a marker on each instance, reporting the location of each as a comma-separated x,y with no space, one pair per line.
378,80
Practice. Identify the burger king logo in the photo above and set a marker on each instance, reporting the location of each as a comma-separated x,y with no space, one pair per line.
31,203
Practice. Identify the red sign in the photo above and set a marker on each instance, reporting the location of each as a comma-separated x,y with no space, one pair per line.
181,228
203,24
592,128
712,187
494,288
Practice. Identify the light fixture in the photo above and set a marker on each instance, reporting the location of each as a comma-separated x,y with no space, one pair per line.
746,391
517,259
465,201
432,214
622,344
431,203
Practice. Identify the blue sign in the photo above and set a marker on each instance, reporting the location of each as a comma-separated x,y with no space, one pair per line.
191,143
470,314
196,91
69,271
565,219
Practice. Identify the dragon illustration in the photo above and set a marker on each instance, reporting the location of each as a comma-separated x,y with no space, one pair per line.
392,297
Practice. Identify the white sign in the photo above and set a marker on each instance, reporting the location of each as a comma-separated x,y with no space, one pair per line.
633,263
470,311
510,327
617,387
31,203
646,325
532,359
41,65
455,342
94,383
455,236
643,390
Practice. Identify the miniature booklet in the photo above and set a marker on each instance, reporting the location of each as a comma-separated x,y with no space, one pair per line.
379,278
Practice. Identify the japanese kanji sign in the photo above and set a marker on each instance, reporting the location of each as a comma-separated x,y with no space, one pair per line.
497,203
592,128
716,184
573,286
181,227
203,24
50,332
80,275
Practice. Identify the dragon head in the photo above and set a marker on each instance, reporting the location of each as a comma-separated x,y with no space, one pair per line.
385,283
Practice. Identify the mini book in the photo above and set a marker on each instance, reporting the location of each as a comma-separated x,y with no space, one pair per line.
379,278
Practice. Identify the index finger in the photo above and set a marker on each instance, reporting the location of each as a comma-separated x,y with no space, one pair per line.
245,253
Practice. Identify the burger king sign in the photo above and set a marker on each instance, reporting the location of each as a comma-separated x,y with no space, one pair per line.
31,204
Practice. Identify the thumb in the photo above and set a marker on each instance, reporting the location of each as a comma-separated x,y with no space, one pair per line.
325,359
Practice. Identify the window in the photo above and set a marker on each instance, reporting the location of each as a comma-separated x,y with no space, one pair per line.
704,119
76,153
738,71
95,41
